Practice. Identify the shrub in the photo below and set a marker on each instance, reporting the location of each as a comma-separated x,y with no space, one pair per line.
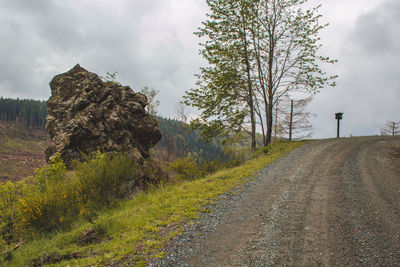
236,159
185,168
59,197
52,201
49,207
10,193
98,181
54,172
209,167
154,173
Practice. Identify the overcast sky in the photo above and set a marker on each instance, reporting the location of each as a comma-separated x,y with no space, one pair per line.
151,43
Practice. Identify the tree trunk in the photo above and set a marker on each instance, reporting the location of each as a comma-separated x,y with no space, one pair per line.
276,120
270,85
250,90
253,125
291,120
269,121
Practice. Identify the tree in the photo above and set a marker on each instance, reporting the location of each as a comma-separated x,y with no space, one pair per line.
258,51
151,95
300,127
391,128
286,51
181,116
225,94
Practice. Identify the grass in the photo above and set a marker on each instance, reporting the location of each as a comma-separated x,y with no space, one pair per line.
134,231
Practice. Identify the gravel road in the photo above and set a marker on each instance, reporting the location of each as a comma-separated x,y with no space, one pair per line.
329,203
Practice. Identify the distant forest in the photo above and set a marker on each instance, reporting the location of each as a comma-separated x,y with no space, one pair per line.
29,113
177,140
172,146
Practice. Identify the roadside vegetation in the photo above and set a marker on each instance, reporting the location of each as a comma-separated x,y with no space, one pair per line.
86,217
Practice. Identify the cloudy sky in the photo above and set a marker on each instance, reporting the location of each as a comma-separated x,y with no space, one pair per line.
151,43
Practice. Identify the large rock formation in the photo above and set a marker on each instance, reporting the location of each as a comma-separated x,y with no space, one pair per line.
86,114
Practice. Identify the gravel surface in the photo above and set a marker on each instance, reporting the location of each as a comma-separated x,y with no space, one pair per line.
331,203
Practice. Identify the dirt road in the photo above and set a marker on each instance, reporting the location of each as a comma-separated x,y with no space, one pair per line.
329,203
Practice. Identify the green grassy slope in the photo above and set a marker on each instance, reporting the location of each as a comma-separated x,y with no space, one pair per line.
135,230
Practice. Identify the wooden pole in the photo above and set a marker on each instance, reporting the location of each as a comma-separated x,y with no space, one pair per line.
276,119
394,126
291,120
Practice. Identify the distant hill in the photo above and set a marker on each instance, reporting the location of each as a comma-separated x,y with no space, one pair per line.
22,137
171,145
21,150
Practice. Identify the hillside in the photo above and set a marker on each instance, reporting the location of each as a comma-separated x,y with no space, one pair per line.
21,150
171,145
128,232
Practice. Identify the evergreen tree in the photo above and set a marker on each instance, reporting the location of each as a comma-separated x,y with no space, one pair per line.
27,112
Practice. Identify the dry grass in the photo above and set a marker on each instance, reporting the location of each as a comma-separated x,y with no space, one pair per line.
21,151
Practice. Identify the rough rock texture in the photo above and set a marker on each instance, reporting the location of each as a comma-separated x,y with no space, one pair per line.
86,114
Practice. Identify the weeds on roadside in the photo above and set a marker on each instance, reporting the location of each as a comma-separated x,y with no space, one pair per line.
190,168
54,197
